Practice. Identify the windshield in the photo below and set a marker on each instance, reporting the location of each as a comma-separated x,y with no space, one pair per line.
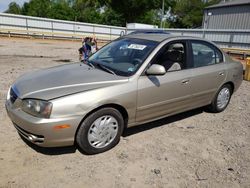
123,56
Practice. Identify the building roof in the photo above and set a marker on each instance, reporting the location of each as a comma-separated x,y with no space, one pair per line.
230,3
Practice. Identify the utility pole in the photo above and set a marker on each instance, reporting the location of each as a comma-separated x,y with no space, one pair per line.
162,13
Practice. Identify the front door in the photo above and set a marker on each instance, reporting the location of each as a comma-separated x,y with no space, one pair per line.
159,96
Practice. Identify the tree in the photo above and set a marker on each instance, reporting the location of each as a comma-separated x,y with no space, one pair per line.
25,8
178,13
39,8
61,10
13,8
150,17
110,17
87,10
190,12
131,10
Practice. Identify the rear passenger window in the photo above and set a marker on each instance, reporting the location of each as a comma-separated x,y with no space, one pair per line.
205,54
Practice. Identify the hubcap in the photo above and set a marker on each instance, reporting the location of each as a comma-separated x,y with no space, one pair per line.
102,131
223,98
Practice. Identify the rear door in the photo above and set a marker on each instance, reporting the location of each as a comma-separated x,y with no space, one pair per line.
208,71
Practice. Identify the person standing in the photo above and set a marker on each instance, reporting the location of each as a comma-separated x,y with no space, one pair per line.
94,47
85,50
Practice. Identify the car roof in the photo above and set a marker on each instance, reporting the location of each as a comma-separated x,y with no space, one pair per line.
159,37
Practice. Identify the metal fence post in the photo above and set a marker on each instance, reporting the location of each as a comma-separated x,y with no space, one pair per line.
231,40
110,34
93,30
74,28
52,29
26,20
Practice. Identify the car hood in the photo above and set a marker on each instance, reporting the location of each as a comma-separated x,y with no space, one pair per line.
63,80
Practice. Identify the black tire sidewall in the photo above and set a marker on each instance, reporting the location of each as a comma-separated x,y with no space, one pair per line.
82,134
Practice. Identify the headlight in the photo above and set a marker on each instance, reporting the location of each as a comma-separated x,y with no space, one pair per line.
37,108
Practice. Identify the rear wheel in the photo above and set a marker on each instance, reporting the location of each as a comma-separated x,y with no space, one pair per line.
100,131
221,99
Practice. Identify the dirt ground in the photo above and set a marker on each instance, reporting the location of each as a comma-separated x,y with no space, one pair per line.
193,149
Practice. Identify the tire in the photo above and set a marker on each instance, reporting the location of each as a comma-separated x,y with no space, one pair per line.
100,131
219,104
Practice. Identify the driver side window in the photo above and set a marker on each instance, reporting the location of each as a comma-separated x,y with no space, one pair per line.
172,57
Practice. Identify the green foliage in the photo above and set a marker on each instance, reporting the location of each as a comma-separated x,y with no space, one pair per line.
150,17
86,11
186,13
61,10
110,17
14,8
39,8
189,13
131,9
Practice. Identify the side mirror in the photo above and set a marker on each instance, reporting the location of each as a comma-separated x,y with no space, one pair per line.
156,70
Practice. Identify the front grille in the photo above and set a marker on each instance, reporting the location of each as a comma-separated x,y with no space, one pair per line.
13,96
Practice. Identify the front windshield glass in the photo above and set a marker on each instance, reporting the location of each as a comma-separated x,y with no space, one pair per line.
123,56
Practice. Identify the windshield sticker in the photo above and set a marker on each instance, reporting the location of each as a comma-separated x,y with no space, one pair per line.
137,46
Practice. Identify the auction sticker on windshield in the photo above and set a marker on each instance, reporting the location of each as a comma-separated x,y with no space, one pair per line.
137,46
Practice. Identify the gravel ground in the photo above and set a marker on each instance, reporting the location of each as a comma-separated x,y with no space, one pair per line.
193,149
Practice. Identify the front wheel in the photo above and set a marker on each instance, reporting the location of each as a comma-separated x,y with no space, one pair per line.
100,131
221,99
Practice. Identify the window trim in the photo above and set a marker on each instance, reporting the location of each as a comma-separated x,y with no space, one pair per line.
208,44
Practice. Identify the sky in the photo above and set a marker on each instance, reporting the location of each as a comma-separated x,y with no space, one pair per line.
4,4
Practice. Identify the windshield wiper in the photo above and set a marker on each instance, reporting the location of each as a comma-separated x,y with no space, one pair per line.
105,68
89,63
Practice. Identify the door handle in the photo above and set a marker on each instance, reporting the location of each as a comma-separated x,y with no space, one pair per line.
221,73
185,81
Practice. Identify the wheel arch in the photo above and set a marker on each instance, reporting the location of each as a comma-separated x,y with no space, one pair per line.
226,83
231,84
118,107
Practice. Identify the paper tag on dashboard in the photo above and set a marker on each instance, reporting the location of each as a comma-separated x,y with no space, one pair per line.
137,46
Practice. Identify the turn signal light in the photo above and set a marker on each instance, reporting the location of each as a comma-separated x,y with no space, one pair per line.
58,127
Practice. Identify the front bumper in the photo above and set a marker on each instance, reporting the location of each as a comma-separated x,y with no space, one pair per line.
41,131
